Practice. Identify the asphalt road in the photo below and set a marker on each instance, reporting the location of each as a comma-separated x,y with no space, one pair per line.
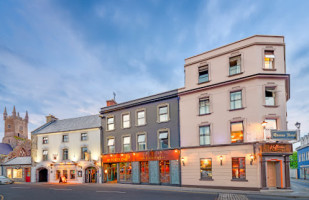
106,192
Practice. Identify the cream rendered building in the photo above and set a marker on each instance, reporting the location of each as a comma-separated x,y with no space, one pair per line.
233,96
69,148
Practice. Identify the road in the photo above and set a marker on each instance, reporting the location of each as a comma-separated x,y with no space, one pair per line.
108,192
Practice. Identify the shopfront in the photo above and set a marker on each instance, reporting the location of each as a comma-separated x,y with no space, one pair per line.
151,167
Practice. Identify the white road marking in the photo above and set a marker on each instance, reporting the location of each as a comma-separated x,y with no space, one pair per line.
20,187
60,189
120,192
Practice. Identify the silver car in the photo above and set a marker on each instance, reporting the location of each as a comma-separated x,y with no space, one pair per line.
5,180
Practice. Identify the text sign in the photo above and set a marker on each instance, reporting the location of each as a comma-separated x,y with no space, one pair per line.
284,135
277,148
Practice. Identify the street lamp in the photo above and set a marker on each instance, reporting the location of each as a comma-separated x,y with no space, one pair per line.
297,124
264,123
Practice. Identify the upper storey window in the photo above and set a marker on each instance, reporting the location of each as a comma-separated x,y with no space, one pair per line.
235,65
236,100
126,120
141,118
163,113
203,74
269,59
204,106
110,123
270,96
65,138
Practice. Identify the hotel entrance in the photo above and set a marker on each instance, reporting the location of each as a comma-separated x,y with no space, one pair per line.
91,175
273,174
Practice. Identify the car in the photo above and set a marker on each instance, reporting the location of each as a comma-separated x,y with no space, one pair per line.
5,180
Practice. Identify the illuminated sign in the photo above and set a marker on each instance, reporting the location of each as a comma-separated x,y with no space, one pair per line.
283,135
277,148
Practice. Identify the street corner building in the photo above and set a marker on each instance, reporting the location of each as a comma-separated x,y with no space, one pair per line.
141,140
303,158
234,98
67,149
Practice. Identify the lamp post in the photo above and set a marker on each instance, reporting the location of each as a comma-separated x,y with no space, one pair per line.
297,124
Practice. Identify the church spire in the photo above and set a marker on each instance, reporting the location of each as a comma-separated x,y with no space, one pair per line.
27,117
14,112
5,114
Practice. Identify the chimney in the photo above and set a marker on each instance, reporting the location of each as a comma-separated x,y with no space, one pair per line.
110,102
50,118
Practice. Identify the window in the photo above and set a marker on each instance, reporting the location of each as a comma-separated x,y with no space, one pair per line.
239,168
126,121
65,154
65,173
17,173
45,155
83,136
270,125
270,96
234,65
110,123
111,145
84,151
204,106
9,173
126,143
237,132
65,138
163,113
72,174
141,118
9,126
203,74
58,174
206,168
163,140
269,59
141,142
204,135
45,140
236,100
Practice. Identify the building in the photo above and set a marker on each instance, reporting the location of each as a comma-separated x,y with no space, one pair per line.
141,140
69,148
18,169
303,158
233,97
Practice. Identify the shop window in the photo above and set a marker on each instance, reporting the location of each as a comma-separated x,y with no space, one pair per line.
17,173
65,173
270,96
111,145
203,74
72,174
269,59
65,154
163,113
141,141
45,155
126,121
9,173
144,172
205,135
83,136
58,174
237,132
141,118
126,143
236,100
271,124
206,168
239,168
235,65
204,106
65,138
125,170
110,123
165,171
45,140
163,140
84,151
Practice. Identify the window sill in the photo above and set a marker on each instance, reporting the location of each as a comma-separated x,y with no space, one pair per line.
205,145
206,179
266,69
109,130
204,114
231,75
163,121
126,127
242,108
200,83
140,125
239,180
270,106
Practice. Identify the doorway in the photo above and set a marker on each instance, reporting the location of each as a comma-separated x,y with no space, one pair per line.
91,175
165,172
145,172
274,178
111,173
43,173
27,175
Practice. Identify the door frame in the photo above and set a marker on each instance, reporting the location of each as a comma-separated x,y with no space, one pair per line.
281,174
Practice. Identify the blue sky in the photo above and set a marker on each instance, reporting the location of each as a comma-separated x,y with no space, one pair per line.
67,57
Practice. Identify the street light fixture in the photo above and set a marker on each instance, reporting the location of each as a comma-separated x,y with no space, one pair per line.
297,124
264,123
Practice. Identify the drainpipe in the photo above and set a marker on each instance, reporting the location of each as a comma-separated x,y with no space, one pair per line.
179,143
101,152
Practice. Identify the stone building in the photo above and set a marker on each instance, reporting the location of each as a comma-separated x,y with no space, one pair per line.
18,169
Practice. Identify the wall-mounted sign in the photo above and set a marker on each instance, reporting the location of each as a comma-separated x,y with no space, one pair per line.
283,135
277,148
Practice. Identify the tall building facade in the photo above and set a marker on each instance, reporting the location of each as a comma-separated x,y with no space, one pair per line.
233,97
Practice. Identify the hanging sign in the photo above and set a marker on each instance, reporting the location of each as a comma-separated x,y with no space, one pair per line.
283,135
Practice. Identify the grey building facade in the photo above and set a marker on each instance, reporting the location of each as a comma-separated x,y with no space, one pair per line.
141,140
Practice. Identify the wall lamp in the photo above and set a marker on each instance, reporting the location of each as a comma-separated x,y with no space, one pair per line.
252,158
183,161
221,158
264,123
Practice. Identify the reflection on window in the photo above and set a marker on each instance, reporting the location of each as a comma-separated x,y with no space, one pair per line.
45,155
141,140
141,120
238,168
236,100
203,74
235,65
204,135
163,114
206,168
65,154
270,96
111,145
204,106
83,137
165,171
17,173
125,121
163,140
126,143
237,132
269,59
84,151
110,123
125,170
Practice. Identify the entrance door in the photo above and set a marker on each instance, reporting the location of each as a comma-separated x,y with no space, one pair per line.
165,172
144,172
271,174
112,173
43,175
27,175
91,175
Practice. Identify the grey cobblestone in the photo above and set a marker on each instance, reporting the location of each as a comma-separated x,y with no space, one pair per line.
231,197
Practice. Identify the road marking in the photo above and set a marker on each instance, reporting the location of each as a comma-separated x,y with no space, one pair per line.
20,187
60,189
2,197
120,192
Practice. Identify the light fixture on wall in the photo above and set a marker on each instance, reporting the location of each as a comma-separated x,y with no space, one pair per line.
221,158
183,161
252,158
264,123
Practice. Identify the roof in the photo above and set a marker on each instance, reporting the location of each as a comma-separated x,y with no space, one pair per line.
144,100
5,149
19,161
79,123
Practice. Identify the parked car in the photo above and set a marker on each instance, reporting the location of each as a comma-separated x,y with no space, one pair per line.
5,180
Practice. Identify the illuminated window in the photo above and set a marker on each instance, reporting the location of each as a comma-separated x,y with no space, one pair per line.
126,143
163,113
236,100
58,174
45,140
9,173
45,155
269,59
65,138
164,171
206,168
237,132
205,135
163,140
111,145
141,118
17,173
83,136
203,74
141,142
270,96
126,121
65,173
204,106
84,150
65,154
234,65
72,174
110,123
239,168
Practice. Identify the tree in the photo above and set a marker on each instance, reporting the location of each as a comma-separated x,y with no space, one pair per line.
293,160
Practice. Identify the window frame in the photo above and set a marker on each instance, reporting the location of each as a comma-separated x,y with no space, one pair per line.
84,138
158,112
136,116
205,178
168,135
83,154
202,68
107,127
240,64
243,131
122,121
137,143
199,105
244,167
241,99
107,146
44,140
274,88
45,156
209,128
264,50
63,136
66,154
122,143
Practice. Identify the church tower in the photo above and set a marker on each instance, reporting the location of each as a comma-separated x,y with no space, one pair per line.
15,128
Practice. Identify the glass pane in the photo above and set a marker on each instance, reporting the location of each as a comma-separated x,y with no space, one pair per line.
163,110
126,124
163,143
110,120
141,146
111,126
125,117
141,138
163,135
141,121
203,77
126,140
237,132
271,124
206,168
163,118
140,114
110,142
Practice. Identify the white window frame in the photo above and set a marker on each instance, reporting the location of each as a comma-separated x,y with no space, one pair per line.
128,121
137,142
158,112
168,135
136,116
107,123
123,143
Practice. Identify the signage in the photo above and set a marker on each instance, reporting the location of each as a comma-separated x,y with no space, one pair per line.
284,135
141,156
277,148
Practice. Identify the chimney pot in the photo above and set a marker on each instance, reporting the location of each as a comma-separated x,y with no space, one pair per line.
110,102
50,118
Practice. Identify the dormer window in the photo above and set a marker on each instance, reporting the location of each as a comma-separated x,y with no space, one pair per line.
235,67
203,74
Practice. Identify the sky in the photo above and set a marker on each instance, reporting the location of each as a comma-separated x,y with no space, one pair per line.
67,57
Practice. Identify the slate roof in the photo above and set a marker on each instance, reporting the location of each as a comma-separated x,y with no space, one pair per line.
5,149
19,161
79,123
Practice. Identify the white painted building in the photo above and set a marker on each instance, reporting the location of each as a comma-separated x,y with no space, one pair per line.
67,148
